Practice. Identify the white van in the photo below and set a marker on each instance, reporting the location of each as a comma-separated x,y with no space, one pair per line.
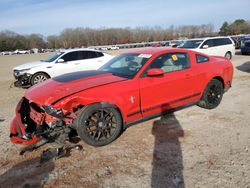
218,46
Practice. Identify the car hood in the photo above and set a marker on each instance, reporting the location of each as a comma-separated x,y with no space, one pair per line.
30,65
52,90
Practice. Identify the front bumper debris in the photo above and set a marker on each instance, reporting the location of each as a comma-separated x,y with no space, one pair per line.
22,80
18,129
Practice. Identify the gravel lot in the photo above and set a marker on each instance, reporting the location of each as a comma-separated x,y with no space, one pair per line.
192,148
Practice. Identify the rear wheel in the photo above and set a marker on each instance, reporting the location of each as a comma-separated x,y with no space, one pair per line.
38,78
98,125
228,55
212,95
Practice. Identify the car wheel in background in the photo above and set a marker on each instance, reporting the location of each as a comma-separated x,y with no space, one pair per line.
228,55
99,125
212,95
38,78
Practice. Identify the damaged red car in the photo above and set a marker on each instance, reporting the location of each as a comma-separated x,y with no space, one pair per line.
99,105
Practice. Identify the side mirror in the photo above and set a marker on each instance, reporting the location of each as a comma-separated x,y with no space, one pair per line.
60,60
205,46
155,72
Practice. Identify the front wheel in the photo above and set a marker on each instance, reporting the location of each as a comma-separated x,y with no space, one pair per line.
212,95
99,125
38,78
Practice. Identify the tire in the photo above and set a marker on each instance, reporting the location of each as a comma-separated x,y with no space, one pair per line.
99,124
212,95
228,55
38,78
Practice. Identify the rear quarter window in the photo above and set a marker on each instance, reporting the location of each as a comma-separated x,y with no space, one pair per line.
222,41
99,54
201,58
89,55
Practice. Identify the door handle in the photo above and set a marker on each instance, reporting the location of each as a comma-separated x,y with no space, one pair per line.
77,63
188,76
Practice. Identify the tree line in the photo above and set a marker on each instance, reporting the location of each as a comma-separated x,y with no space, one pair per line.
79,37
239,26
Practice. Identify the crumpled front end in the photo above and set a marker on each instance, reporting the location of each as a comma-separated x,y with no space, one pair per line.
35,122
19,132
21,80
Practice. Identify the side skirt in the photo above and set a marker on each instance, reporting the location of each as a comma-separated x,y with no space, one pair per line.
129,124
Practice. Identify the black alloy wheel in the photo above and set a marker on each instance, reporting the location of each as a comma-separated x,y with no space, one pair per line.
99,126
212,95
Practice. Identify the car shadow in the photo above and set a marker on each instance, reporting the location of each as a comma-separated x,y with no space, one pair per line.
245,67
167,157
28,173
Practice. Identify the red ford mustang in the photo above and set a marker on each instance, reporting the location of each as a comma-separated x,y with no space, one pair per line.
132,87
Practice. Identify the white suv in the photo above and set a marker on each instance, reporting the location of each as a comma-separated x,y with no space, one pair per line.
217,46
62,62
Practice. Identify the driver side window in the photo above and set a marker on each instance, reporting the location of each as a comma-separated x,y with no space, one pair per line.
171,62
209,43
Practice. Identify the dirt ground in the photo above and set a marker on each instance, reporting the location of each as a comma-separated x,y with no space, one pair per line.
192,148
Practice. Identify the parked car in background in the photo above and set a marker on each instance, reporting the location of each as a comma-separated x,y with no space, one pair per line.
18,51
134,86
7,53
217,46
61,62
236,40
113,48
165,43
175,43
157,44
105,48
245,45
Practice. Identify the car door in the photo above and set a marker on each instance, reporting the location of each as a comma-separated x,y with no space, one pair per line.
70,64
209,47
90,60
223,46
170,90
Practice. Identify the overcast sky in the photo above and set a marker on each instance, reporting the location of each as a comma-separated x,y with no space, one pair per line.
52,16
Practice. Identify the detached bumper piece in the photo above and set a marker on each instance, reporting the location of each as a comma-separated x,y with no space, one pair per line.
18,134
22,126
22,80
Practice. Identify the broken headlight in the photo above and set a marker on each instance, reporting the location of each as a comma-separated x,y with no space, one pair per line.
55,112
20,72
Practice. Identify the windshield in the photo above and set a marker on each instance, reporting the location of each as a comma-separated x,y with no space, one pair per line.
246,39
126,65
53,57
191,44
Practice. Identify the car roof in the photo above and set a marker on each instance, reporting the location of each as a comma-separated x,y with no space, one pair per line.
205,38
78,49
156,50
